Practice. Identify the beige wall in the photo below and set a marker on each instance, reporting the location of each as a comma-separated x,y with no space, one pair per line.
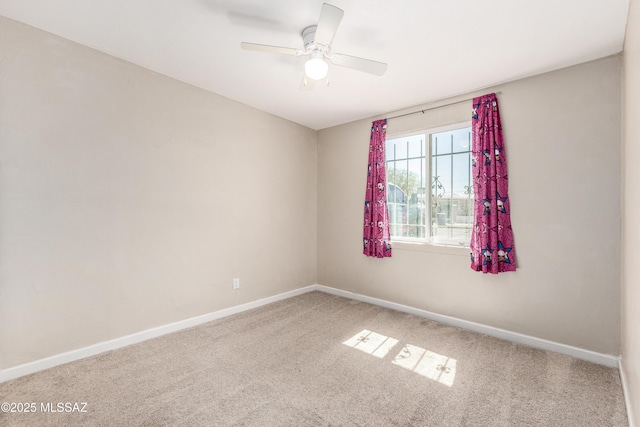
130,200
563,140
631,211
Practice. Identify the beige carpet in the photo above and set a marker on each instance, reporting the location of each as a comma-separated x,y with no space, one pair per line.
318,359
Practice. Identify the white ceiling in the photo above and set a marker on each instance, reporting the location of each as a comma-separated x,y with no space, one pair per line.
435,48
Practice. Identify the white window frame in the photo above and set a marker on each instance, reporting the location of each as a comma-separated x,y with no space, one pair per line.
427,162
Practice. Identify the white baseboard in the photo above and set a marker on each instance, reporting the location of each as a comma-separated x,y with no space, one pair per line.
92,350
627,396
579,353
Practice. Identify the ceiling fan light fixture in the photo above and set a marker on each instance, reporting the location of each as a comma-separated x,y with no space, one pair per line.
316,68
317,41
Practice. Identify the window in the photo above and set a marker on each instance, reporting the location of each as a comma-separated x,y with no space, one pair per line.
430,187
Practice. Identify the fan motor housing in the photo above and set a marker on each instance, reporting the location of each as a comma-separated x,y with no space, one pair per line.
308,37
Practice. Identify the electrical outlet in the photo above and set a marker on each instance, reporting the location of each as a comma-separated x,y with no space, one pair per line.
236,283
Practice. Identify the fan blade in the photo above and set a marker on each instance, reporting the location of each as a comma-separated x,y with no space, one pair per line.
271,49
330,17
307,83
366,65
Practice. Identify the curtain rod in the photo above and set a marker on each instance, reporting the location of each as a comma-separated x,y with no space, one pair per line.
434,108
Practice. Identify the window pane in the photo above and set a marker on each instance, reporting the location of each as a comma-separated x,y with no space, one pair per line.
401,148
405,186
389,152
397,172
415,173
416,214
461,173
397,219
451,212
397,198
416,146
461,140
434,194
443,173
442,142
390,180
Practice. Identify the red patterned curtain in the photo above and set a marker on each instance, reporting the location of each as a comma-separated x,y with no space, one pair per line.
492,249
376,215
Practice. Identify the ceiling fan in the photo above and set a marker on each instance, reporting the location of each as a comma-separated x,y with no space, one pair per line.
317,46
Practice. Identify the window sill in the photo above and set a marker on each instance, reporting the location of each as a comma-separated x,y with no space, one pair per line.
404,245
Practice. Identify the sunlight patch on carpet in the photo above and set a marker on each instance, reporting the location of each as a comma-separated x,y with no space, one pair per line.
371,343
423,362
427,363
